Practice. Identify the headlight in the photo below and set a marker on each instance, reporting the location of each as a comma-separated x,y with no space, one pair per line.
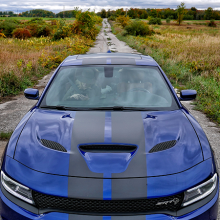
200,192
16,189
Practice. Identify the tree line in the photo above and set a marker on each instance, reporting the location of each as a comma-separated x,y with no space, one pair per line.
189,14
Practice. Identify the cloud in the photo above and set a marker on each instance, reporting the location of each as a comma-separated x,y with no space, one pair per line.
97,5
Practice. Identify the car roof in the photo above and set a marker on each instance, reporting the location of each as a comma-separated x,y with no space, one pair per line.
110,59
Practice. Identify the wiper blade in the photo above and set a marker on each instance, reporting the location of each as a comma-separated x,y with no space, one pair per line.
60,107
121,108
113,108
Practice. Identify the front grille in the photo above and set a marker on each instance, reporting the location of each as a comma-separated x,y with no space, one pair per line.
171,203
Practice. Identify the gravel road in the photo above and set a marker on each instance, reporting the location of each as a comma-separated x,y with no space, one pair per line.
11,112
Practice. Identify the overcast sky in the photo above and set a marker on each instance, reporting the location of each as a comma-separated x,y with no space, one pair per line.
97,5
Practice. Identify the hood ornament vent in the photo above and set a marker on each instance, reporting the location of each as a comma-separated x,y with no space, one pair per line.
163,146
53,145
108,148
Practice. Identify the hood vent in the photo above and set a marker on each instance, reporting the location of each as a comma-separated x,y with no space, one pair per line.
53,145
108,148
163,146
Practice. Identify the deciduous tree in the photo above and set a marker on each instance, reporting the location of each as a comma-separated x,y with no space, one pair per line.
181,11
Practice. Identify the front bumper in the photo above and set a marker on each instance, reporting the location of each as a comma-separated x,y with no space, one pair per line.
11,211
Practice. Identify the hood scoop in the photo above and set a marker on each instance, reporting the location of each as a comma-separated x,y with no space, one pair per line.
108,148
53,145
108,158
163,146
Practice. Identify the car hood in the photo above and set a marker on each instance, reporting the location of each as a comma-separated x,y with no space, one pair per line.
116,144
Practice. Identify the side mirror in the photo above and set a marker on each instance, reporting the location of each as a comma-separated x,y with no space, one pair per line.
31,94
187,95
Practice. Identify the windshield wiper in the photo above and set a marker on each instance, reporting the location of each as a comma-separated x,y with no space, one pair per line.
113,108
58,107
61,107
121,108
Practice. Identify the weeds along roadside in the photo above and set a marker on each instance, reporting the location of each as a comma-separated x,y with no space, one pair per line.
24,60
189,57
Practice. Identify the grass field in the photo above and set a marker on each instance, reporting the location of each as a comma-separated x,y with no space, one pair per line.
186,22
24,19
29,18
23,61
190,58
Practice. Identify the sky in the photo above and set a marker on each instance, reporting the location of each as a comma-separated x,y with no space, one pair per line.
57,6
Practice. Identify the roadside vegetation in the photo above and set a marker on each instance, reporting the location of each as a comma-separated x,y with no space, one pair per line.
31,49
4,136
189,55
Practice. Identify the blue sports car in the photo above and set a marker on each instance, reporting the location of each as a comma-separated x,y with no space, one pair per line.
109,139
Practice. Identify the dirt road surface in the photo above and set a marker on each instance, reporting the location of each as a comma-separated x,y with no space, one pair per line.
12,112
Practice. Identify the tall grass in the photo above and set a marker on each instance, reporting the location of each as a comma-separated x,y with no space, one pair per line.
22,62
189,57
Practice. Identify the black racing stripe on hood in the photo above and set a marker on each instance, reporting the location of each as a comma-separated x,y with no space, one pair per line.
131,188
128,127
88,127
85,217
85,188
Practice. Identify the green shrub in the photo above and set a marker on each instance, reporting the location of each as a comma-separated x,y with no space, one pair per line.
155,21
112,18
123,20
188,17
21,33
33,28
36,21
63,31
138,27
85,24
44,31
7,27
38,27
212,23
168,20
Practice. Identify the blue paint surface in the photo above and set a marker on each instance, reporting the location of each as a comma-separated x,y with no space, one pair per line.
58,128
69,62
107,162
176,183
107,186
201,135
106,217
108,128
14,137
41,182
108,61
166,126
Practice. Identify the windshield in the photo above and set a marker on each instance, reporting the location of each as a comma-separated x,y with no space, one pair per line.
109,86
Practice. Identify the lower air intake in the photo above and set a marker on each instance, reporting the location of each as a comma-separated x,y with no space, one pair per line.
47,202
